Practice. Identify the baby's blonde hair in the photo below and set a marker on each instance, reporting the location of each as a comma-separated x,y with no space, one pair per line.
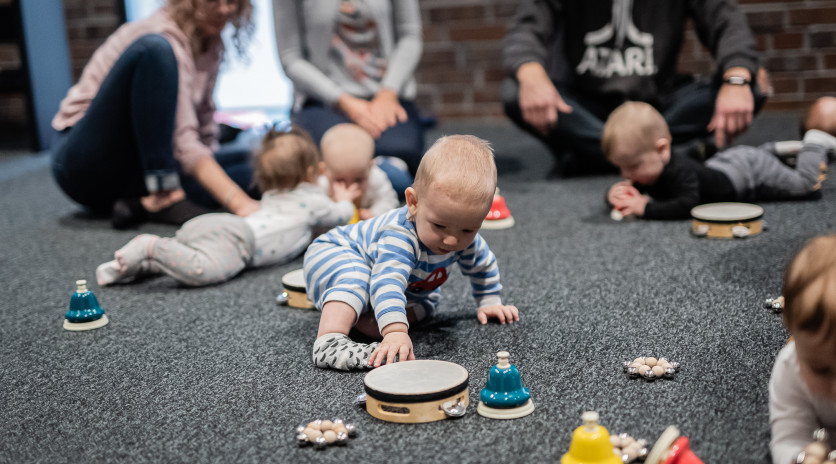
460,165
347,140
635,123
286,158
809,289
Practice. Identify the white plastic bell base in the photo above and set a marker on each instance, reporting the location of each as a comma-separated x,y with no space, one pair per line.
505,413
498,224
89,325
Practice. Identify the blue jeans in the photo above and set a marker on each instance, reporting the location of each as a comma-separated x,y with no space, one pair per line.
687,110
404,141
126,133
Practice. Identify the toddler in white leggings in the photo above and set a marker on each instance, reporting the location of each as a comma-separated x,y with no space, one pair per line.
213,248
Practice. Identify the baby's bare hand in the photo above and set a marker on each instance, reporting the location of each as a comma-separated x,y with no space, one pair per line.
505,313
393,344
342,192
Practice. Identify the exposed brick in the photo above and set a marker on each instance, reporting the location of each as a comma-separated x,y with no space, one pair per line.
495,74
766,21
822,39
476,32
434,33
784,85
455,13
809,16
819,84
791,63
751,2
442,57
763,41
445,76
783,41
830,61
504,11
487,94
787,105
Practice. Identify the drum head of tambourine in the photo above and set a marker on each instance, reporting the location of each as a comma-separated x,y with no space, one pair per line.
416,381
294,280
727,212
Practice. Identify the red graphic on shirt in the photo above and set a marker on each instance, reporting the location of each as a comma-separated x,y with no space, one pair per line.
432,282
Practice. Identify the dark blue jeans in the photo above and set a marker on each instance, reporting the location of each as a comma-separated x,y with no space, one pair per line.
687,110
127,133
404,141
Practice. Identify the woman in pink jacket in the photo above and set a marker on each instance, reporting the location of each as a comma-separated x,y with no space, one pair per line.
137,130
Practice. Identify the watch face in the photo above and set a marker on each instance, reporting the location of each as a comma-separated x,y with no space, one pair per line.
737,80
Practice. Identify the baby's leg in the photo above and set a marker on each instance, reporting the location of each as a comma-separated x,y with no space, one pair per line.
332,348
776,181
207,250
127,264
337,280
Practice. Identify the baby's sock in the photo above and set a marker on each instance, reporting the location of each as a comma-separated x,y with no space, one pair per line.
130,257
111,273
821,138
337,351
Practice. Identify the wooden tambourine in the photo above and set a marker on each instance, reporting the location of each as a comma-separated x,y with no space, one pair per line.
294,294
726,220
412,392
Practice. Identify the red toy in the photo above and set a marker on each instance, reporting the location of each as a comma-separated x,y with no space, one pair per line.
671,448
499,217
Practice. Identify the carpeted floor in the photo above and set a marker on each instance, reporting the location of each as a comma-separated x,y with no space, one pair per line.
223,374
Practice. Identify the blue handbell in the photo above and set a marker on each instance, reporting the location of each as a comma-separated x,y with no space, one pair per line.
85,313
504,396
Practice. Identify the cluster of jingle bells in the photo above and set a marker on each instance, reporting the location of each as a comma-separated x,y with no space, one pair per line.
592,444
775,304
322,433
651,368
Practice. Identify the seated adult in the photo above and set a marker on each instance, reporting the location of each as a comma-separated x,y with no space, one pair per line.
353,61
573,62
137,130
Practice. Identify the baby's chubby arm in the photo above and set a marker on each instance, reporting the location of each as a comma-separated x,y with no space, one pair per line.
396,341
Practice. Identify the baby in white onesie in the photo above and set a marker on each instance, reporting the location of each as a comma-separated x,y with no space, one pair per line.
213,248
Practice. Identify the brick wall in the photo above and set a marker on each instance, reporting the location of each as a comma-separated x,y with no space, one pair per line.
461,70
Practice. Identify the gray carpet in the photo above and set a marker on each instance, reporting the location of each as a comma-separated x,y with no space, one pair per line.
223,374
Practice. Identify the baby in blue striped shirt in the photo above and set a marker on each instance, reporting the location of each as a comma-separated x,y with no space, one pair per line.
383,274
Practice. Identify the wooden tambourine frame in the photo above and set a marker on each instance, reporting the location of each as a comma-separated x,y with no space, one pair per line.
293,286
412,392
726,220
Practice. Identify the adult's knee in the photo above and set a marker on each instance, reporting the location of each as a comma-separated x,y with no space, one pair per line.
154,53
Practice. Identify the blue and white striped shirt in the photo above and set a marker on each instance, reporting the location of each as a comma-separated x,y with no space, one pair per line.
402,268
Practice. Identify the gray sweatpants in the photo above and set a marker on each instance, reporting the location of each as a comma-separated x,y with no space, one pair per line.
757,174
208,249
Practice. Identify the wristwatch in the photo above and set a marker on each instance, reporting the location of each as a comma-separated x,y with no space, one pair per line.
736,80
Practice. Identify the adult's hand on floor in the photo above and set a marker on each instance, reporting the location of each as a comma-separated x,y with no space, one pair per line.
362,113
540,102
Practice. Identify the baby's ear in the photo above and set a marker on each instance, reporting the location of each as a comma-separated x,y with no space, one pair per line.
411,200
663,147
322,167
